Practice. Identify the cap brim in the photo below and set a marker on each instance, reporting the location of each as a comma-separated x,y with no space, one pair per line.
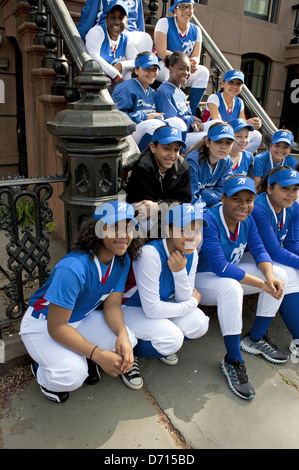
288,182
146,65
169,140
233,191
276,141
215,138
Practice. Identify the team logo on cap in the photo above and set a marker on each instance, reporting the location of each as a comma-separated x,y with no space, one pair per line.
293,174
225,129
174,131
241,180
284,134
122,206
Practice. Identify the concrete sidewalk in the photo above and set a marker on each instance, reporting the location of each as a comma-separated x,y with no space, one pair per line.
184,406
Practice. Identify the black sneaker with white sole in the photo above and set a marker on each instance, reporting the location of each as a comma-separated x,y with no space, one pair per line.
133,378
265,347
58,397
237,379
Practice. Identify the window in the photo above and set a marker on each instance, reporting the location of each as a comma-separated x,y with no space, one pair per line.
262,9
256,69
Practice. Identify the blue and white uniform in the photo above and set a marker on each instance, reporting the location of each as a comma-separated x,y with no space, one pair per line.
95,11
158,303
172,101
80,284
136,101
109,53
184,42
280,234
206,182
223,263
227,115
245,164
263,162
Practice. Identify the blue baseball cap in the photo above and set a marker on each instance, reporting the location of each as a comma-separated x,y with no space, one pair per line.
119,3
114,211
238,183
283,136
222,131
238,124
167,134
183,214
146,61
178,2
284,178
234,75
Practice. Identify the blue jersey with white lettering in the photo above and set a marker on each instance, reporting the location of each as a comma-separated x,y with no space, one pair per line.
133,99
263,163
166,281
244,165
279,232
80,283
172,101
206,182
222,251
175,42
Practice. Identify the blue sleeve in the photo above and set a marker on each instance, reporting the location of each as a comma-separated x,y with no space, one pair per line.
194,178
67,283
212,251
126,102
88,16
140,17
255,244
258,166
287,254
213,196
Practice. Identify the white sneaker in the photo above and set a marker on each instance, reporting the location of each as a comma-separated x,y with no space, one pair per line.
294,347
171,360
133,378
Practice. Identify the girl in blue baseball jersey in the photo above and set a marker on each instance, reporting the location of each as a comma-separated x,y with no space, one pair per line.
226,273
172,101
276,213
111,46
95,11
241,158
63,325
210,164
136,98
226,106
279,154
178,34
160,303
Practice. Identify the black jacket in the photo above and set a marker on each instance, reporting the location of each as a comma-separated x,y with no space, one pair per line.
145,181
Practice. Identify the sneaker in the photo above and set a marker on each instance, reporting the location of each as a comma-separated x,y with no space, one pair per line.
58,397
237,379
294,347
94,374
133,378
265,347
171,360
